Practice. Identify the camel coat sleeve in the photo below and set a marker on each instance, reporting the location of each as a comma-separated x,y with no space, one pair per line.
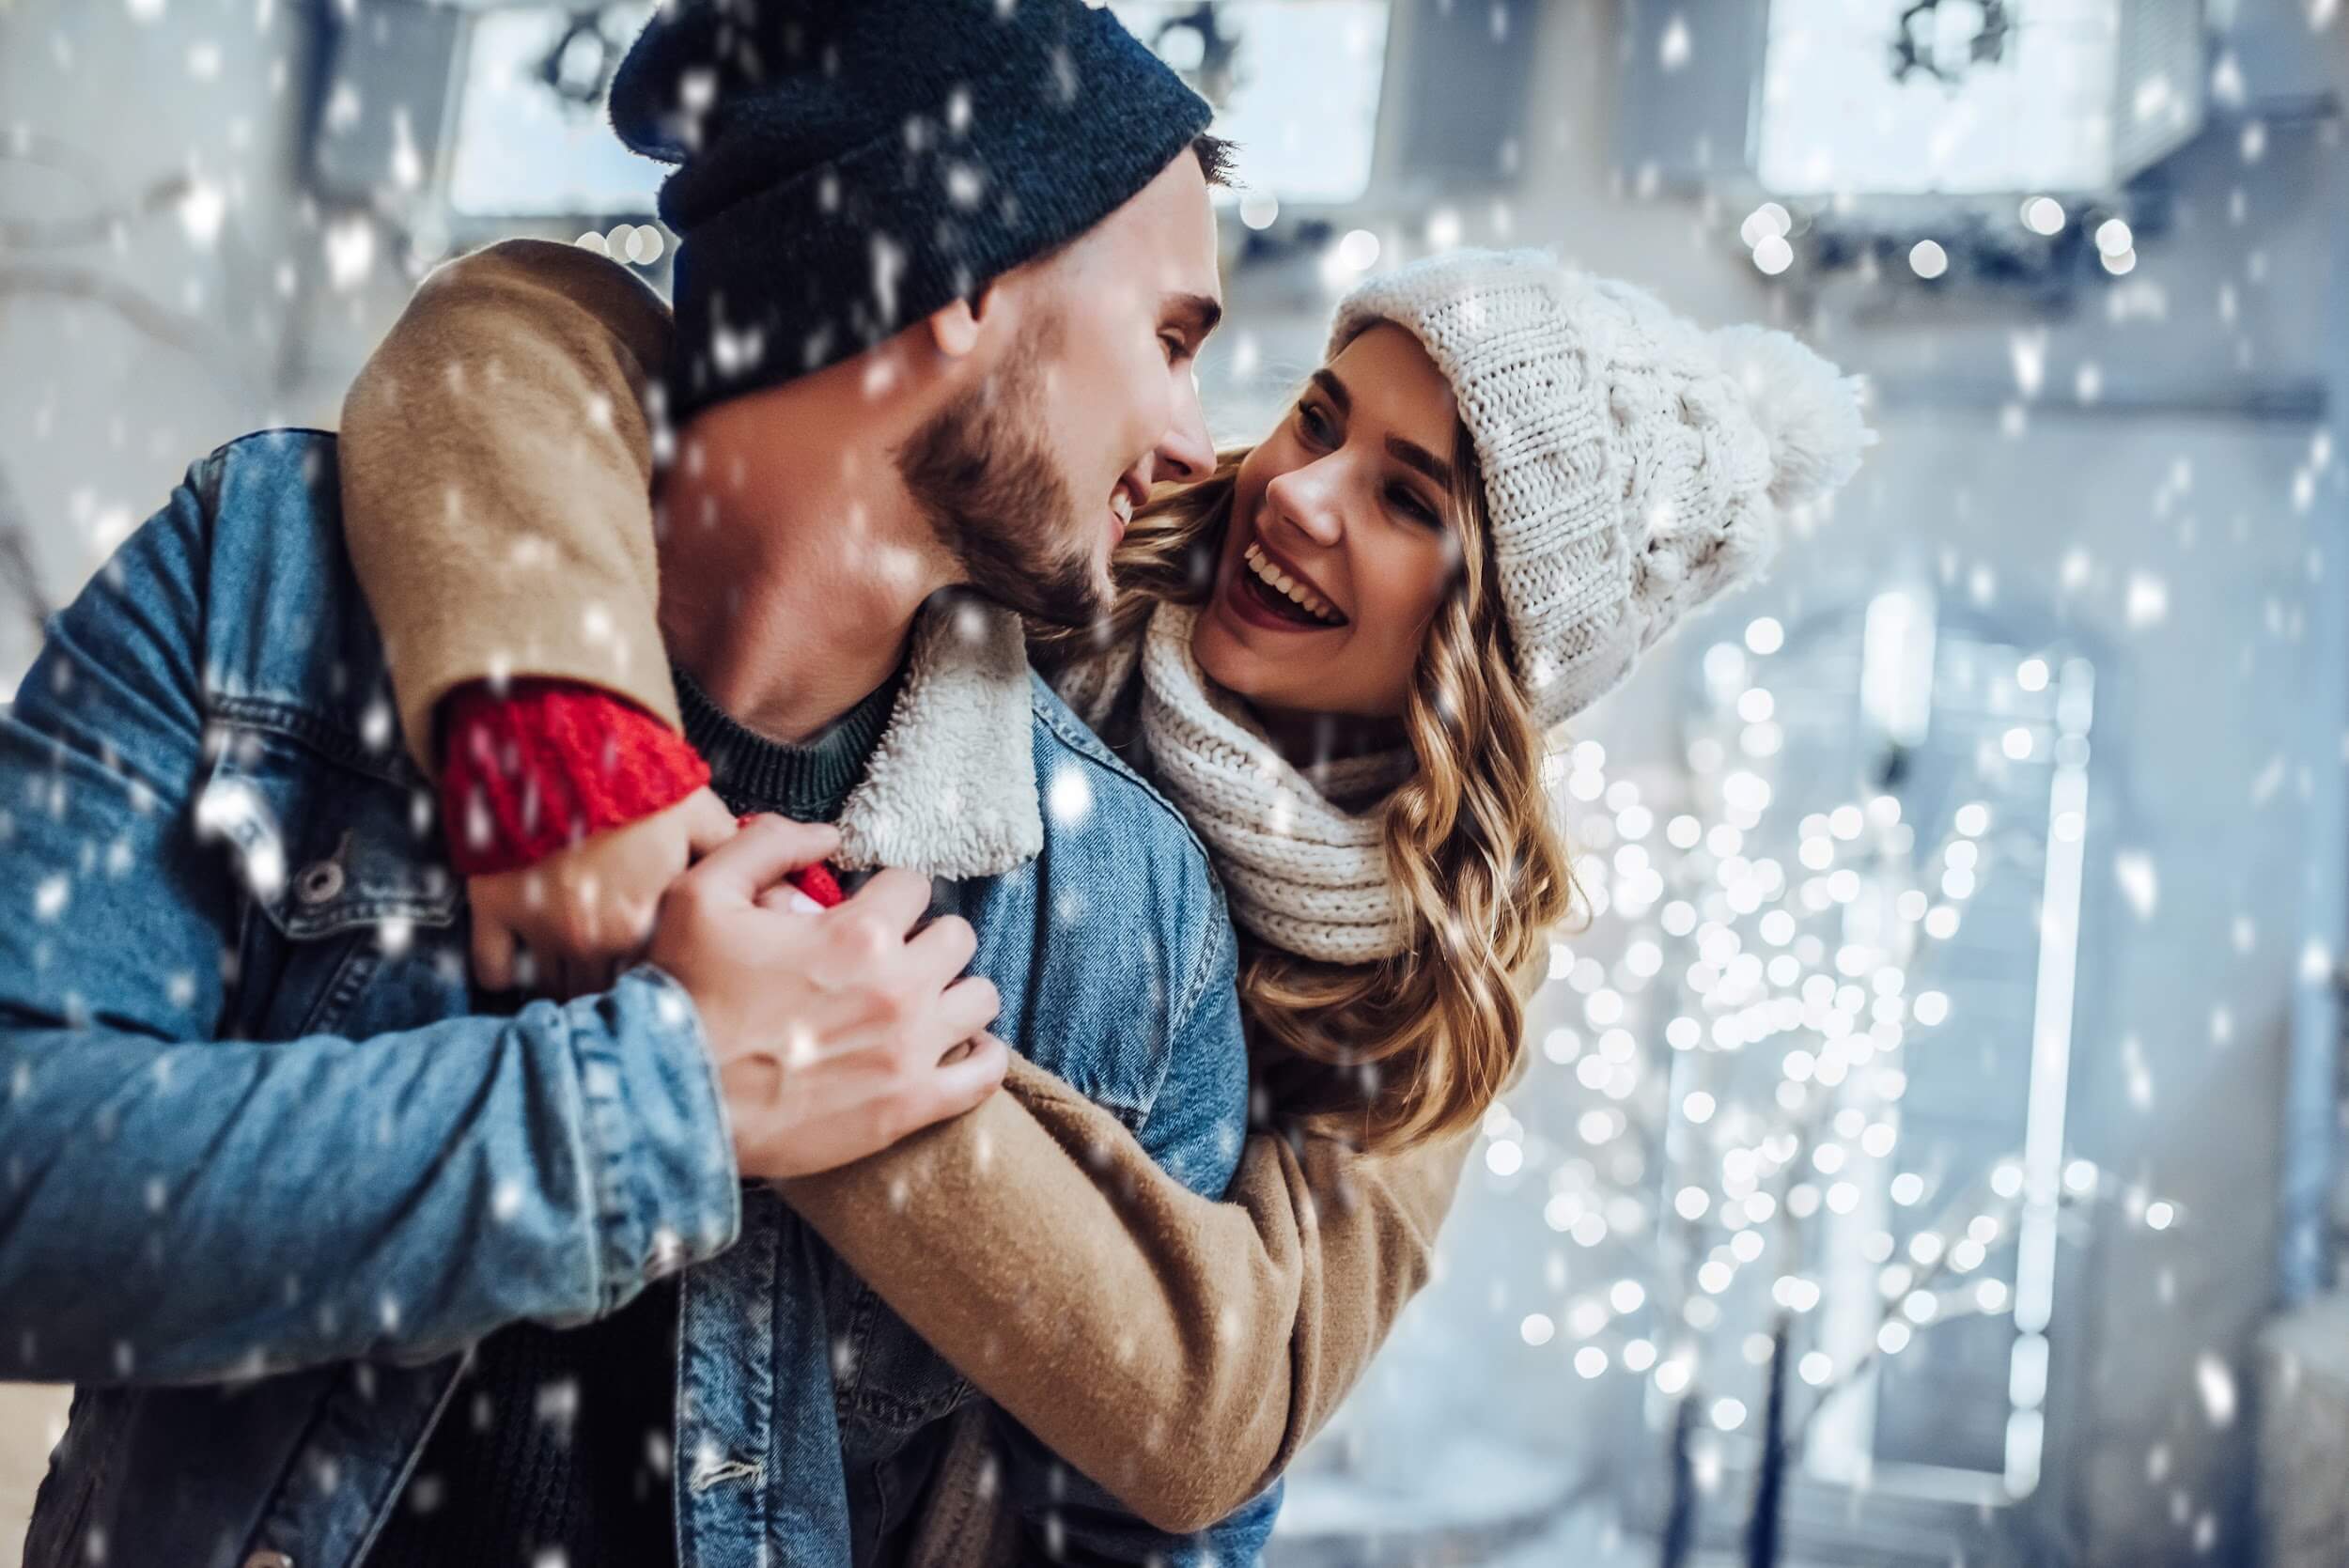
496,473
496,476
1177,1351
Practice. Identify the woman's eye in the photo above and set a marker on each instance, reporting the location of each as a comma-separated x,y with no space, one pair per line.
1406,501
1310,421
1174,346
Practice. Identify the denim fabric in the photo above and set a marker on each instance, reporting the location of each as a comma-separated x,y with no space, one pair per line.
266,1166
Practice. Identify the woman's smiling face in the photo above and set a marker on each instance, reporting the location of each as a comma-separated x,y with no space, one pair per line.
1340,545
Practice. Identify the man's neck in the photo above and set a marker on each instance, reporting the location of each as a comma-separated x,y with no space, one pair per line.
789,579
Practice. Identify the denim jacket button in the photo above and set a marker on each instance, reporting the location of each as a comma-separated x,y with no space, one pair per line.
320,882
269,1559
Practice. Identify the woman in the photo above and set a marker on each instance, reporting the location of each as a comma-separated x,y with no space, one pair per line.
1339,655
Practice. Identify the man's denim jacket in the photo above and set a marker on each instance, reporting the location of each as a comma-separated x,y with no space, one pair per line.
266,1169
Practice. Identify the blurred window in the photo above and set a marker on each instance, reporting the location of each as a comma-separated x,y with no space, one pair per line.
533,140
1884,96
1295,83
1974,97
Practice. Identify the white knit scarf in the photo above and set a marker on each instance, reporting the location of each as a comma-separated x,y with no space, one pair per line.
1301,871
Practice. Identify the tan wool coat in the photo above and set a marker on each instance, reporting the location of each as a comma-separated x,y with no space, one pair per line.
497,467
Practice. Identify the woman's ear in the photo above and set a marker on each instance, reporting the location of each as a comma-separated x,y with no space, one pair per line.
954,326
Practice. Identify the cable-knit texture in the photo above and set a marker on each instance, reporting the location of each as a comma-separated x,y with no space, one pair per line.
1090,686
1300,873
544,763
1633,464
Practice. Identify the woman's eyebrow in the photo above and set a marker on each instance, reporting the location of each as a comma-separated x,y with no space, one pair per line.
1410,453
1418,456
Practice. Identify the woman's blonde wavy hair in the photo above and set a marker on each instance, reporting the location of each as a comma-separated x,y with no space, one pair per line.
1418,1045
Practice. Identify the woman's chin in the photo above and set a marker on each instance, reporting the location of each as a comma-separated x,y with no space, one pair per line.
1223,661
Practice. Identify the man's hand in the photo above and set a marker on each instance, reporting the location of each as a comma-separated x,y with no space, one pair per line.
834,1033
569,925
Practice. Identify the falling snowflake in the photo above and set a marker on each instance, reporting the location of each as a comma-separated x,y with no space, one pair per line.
1069,797
1673,48
51,895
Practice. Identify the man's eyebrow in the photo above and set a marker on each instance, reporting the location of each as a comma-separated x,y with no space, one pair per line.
1334,390
1418,456
1195,314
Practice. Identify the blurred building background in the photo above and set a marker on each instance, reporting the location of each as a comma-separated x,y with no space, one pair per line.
1956,1039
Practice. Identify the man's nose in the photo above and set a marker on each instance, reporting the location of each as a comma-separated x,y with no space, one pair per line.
1185,452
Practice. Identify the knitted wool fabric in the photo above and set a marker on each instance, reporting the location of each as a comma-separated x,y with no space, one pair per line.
1300,872
615,763
542,764
1635,465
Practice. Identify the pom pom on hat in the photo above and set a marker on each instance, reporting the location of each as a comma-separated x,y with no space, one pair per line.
1808,410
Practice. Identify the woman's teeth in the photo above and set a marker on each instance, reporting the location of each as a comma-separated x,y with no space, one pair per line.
1305,598
1122,506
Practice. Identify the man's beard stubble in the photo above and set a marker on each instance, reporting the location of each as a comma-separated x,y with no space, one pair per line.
983,475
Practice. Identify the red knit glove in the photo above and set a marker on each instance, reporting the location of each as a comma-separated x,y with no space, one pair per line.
544,763
816,881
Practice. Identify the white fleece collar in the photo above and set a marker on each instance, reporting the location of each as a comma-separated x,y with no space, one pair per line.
951,788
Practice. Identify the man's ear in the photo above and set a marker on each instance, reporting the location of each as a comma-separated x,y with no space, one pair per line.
955,329
954,326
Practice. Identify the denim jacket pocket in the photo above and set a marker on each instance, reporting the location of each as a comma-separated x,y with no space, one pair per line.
350,908
885,1378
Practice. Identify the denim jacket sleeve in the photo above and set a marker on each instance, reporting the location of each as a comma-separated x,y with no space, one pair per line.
1194,1128
177,1206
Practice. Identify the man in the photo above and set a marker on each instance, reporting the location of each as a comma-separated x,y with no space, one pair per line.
266,1165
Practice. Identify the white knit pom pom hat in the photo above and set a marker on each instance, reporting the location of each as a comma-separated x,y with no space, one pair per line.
1635,465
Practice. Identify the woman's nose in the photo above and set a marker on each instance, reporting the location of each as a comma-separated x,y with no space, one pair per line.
1306,499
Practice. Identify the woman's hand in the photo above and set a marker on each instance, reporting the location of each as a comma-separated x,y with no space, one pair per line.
570,924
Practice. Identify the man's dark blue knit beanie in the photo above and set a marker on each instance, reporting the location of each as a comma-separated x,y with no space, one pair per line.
845,167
